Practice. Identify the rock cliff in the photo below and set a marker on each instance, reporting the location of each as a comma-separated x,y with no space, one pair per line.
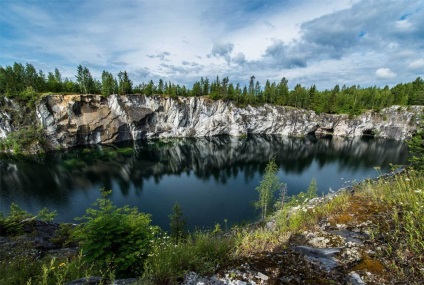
89,119
71,120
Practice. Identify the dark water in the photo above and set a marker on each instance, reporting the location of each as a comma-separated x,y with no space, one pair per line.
211,178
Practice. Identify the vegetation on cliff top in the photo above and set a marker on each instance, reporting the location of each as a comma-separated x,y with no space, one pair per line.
25,83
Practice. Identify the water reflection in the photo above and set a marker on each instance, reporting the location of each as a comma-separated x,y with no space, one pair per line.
56,180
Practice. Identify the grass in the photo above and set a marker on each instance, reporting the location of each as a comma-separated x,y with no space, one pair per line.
394,209
202,252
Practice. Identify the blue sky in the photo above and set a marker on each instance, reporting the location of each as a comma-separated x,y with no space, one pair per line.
322,42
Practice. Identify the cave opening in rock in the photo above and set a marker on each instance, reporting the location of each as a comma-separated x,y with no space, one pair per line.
369,133
324,132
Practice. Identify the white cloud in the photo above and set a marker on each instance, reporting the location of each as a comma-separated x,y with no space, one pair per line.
385,73
403,24
417,64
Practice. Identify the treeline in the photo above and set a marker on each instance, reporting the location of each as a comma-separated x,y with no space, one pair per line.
25,82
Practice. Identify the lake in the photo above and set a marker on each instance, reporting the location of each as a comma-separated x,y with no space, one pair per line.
211,178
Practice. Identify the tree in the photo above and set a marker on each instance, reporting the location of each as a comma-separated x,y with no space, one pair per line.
252,85
54,81
125,84
312,191
31,76
196,90
108,83
416,147
160,87
267,187
282,92
206,87
84,79
178,224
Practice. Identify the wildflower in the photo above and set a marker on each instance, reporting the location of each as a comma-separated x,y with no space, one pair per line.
407,179
62,264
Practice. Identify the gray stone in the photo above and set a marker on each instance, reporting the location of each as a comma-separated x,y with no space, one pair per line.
92,280
349,236
262,276
355,279
324,257
127,281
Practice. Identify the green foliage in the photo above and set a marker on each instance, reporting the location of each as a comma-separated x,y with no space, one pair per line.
46,215
117,240
12,223
416,148
302,198
125,84
22,139
217,229
108,83
201,253
268,186
19,270
86,81
46,271
178,224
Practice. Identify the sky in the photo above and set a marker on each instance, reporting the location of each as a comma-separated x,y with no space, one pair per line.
321,42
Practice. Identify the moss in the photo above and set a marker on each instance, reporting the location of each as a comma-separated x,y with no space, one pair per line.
371,265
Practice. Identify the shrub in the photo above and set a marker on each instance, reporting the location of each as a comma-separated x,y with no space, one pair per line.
12,223
117,240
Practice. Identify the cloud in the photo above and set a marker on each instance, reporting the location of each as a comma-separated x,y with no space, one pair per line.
417,64
324,42
239,58
385,73
283,56
185,69
161,56
223,50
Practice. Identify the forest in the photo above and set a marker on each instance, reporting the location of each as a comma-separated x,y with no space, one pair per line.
24,82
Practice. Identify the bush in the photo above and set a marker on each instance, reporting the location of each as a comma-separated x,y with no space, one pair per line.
117,240
22,139
12,224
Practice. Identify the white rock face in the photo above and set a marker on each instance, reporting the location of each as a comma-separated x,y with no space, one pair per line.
6,119
71,120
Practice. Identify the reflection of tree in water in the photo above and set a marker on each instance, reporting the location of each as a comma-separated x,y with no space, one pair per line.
218,158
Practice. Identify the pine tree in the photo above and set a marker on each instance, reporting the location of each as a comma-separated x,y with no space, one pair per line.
178,224
269,184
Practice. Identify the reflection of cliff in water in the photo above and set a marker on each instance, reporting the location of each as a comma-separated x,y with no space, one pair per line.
219,158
